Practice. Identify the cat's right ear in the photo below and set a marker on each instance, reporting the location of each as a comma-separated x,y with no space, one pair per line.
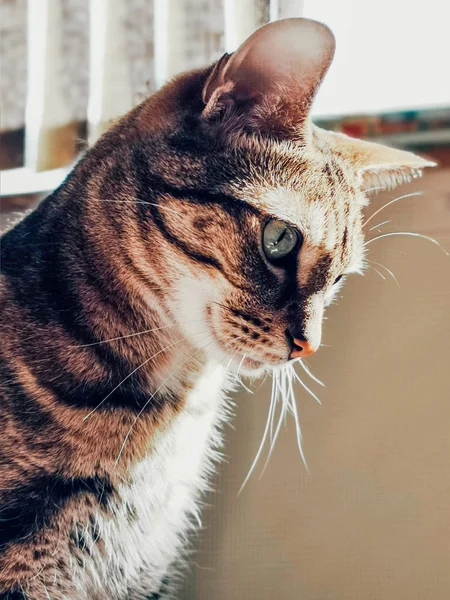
267,86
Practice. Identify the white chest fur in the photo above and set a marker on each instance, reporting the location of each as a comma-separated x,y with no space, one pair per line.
159,503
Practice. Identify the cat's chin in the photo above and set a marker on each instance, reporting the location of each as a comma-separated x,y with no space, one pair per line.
253,367
256,368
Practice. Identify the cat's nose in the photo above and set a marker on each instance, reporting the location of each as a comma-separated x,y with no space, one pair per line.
301,348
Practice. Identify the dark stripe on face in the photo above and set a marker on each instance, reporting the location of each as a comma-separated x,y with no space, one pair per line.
319,276
344,244
345,236
340,176
327,171
150,187
14,595
194,255
35,505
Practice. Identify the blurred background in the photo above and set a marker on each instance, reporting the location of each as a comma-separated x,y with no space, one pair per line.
371,520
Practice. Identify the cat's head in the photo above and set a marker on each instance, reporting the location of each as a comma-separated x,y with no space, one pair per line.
261,211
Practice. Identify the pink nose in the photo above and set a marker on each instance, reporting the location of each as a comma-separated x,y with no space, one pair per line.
301,349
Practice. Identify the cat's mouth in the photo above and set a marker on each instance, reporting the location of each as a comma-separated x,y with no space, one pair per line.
256,342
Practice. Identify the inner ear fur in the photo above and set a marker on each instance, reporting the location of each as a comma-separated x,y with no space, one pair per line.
269,83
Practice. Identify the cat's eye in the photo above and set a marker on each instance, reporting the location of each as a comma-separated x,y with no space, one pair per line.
337,280
279,239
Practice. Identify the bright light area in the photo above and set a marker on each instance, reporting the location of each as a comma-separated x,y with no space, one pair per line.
391,54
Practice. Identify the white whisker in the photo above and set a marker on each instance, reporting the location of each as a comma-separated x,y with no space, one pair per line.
410,195
246,388
240,365
118,386
263,440
298,430
132,373
308,372
229,362
135,420
380,187
238,379
282,394
281,418
121,337
380,224
409,233
273,406
388,270
377,271
297,377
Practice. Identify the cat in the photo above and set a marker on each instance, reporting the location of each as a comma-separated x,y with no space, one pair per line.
206,231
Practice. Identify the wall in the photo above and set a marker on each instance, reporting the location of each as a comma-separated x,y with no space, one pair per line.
372,519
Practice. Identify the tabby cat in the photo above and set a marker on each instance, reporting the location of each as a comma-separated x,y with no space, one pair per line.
206,230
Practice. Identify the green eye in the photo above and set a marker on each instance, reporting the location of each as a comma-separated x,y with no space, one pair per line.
279,239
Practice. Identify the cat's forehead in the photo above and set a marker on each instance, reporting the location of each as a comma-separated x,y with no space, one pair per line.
304,187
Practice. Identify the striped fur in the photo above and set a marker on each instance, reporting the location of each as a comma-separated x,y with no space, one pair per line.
129,296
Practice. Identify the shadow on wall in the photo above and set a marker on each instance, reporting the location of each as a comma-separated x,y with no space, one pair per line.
372,520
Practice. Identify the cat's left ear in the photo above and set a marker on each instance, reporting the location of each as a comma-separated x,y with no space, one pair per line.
267,86
377,166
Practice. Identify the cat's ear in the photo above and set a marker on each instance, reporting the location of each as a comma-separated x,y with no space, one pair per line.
377,166
268,84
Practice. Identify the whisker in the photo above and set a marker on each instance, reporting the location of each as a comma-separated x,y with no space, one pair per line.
298,429
135,202
308,372
246,388
281,418
380,224
224,306
122,337
297,377
238,379
282,392
276,390
410,233
285,391
410,195
388,270
240,365
262,382
229,362
261,445
149,400
377,271
132,373
380,187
